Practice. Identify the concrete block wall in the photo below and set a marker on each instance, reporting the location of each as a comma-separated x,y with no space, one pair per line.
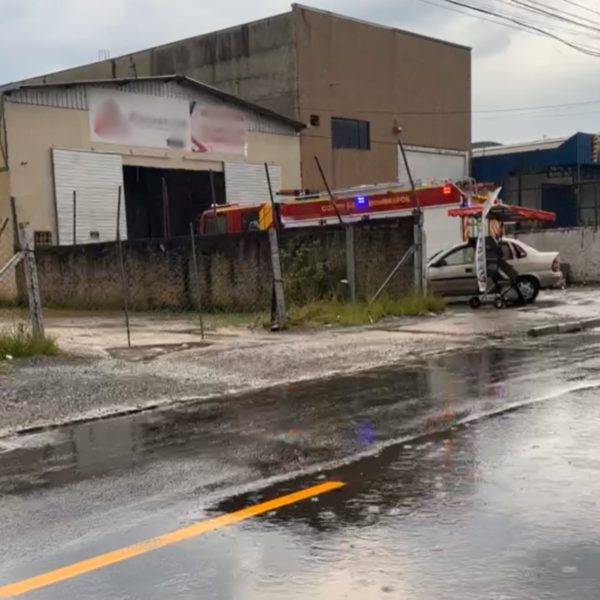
235,270
378,250
579,247
234,276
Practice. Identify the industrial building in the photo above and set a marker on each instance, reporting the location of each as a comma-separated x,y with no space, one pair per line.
166,145
355,85
561,175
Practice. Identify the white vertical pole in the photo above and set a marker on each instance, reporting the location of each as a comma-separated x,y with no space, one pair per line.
31,280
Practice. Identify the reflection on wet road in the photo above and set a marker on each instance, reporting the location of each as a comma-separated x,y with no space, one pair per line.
438,503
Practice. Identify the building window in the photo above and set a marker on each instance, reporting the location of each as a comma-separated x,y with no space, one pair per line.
42,238
350,133
315,121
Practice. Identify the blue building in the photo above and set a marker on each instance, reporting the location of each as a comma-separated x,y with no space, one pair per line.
561,175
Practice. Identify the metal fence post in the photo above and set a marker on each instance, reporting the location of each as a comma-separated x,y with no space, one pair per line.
418,238
418,255
124,281
74,217
197,280
350,261
423,260
31,280
277,279
15,221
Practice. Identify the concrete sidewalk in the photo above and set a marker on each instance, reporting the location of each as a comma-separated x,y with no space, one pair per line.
105,336
169,363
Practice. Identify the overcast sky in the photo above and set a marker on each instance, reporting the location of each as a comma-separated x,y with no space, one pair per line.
510,68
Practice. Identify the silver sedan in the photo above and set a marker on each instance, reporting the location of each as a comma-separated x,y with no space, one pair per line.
451,272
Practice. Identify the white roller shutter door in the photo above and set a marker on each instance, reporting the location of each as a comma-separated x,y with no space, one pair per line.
96,178
246,183
433,164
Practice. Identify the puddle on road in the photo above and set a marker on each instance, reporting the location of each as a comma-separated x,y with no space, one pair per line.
499,509
294,427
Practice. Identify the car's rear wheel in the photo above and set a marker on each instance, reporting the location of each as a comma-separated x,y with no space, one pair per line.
529,288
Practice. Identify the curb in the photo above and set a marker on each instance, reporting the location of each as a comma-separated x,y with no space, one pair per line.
569,327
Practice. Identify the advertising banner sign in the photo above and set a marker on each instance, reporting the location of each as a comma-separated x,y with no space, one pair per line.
218,129
139,120
480,258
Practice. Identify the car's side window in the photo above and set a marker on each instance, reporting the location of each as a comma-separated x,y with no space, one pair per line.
506,251
461,256
519,252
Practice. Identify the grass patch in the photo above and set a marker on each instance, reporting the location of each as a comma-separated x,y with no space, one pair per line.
339,313
19,342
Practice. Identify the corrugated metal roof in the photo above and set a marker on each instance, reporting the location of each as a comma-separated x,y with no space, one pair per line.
531,158
146,85
545,144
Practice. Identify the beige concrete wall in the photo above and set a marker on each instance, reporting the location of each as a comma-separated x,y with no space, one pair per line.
578,247
8,287
352,69
31,132
282,150
4,196
34,130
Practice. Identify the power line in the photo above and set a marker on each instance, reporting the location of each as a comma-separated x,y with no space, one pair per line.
462,12
554,20
543,11
467,112
573,3
509,25
561,11
584,49
540,116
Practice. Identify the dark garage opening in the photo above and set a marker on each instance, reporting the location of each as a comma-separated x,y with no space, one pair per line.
154,213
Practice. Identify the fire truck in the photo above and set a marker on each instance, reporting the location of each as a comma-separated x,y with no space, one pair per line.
382,201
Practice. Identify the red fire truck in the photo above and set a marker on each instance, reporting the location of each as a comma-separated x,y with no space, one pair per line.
314,209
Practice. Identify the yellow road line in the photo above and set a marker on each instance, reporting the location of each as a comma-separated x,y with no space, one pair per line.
116,556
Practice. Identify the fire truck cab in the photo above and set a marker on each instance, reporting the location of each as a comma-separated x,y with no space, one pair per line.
231,218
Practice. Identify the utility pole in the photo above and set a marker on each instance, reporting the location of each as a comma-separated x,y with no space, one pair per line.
31,280
420,279
278,294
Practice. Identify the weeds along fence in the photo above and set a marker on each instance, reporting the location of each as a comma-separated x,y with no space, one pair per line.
316,262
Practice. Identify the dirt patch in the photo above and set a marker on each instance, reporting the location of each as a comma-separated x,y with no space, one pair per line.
151,351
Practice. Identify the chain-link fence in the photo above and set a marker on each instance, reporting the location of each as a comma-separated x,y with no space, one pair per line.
176,290
168,287
13,310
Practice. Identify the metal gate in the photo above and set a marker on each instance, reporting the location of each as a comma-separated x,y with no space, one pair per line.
86,186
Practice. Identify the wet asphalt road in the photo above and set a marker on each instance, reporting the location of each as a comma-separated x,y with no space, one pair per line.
473,475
